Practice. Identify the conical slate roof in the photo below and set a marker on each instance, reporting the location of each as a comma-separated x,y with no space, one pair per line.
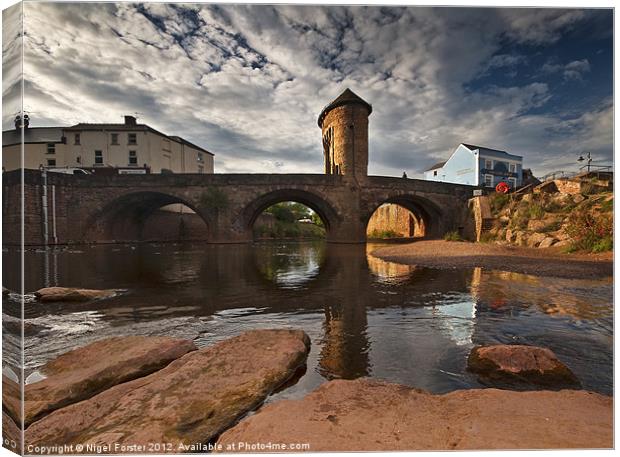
346,98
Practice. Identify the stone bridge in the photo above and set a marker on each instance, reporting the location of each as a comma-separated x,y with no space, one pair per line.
65,209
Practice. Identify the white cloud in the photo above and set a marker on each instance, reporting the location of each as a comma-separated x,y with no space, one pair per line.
248,82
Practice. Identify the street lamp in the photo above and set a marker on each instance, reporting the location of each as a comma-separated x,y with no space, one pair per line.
581,159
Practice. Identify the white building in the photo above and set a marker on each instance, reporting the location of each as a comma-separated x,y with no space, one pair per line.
128,147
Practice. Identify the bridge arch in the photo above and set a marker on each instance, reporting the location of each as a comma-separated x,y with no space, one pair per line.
428,214
125,217
317,203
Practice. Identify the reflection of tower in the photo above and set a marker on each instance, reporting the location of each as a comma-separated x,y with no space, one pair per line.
344,352
344,124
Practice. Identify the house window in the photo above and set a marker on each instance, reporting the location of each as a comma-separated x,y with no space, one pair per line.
51,162
77,138
512,168
131,138
488,164
51,148
435,173
114,138
133,158
488,180
98,157
200,157
512,182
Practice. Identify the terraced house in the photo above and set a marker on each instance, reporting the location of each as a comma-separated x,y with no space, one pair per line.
478,166
127,148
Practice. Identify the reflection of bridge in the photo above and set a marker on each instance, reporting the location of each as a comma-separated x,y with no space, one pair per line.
71,209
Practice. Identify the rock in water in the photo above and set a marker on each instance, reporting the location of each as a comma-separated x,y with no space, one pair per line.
48,294
518,364
187,403
364,415
87,371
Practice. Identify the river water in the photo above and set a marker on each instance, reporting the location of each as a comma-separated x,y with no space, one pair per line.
365,317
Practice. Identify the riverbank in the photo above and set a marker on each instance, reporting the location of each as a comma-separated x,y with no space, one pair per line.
532,261
124,395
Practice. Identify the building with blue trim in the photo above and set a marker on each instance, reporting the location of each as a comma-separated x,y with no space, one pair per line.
478,166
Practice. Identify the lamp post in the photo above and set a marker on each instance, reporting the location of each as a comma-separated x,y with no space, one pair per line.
581,159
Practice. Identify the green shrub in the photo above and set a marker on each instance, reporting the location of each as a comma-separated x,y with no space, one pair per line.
486,237
452,236
535,211
606,244
384,234
519,220
498,201
214,198
587,230
607,205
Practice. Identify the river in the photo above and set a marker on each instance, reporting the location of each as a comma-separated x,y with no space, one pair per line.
365,317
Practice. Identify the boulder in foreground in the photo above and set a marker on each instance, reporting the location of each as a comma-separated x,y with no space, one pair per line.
84,372
364,415
11,434
187,403
520,365
48,294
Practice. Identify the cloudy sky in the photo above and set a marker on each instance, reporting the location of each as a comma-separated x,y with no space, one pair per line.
248,82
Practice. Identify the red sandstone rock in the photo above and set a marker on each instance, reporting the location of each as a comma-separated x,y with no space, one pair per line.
520,364
189,402
364,415
11,434
84,372
72,294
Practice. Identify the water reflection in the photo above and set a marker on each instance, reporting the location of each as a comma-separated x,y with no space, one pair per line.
365,316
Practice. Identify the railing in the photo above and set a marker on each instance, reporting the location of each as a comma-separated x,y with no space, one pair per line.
583,170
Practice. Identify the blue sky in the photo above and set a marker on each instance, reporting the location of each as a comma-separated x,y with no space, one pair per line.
248,82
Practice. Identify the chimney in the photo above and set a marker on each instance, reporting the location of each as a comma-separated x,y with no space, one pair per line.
130,120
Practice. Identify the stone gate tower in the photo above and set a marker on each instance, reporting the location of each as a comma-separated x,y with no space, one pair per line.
344,124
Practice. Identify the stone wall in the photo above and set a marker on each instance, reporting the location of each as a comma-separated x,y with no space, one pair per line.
350,139
393,218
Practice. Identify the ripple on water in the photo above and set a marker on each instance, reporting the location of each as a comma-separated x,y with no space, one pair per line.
365,316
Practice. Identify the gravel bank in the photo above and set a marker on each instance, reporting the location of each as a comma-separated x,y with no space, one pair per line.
533,261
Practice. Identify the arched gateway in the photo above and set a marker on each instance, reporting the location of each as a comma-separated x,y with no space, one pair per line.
87,208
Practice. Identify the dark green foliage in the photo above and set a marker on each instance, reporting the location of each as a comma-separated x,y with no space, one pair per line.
214,198
384,234
452,236
499,201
